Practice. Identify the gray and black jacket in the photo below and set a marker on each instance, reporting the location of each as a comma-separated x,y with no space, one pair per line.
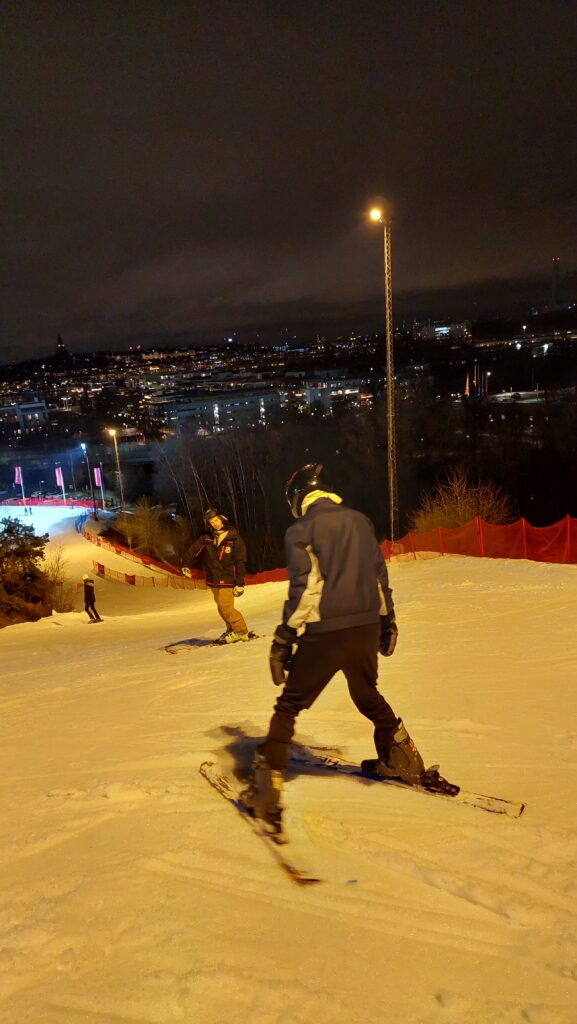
337,574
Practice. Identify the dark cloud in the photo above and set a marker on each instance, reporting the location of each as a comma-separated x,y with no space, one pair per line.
187,168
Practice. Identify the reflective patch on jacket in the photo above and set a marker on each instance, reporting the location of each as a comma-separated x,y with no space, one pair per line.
308,607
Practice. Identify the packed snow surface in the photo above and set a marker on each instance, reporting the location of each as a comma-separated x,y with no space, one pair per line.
133,894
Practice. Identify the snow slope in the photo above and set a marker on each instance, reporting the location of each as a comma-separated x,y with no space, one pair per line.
132,893
44,518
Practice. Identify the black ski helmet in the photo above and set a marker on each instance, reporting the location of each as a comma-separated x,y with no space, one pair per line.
301,483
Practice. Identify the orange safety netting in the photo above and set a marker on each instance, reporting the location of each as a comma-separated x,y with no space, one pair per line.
556,543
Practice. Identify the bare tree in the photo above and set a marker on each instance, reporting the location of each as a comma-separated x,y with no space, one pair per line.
456,501
145,528
61,590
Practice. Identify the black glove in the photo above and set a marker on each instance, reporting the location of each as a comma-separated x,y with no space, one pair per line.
389,634
281,653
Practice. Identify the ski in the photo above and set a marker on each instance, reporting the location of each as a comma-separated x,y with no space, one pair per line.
194,643
434,785
280,846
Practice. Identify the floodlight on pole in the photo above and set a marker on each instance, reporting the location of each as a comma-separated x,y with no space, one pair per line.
112,433
381,215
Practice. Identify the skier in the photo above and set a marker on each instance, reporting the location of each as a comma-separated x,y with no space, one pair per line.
89,599
223,552
339,614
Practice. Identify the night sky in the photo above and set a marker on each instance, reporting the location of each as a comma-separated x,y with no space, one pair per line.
180,170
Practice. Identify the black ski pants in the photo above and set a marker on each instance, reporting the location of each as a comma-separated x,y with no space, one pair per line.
318,657
90,609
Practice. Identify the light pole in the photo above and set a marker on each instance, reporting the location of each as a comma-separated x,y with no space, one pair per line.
382,216
95,506
71,460
112,433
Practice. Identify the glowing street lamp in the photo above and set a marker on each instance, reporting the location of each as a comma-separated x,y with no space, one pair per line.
112,433
381,215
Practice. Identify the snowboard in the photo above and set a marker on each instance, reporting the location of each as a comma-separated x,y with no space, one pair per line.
196,642
327,758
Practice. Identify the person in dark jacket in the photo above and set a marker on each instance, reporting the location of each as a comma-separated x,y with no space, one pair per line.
339,615
223,552
90,598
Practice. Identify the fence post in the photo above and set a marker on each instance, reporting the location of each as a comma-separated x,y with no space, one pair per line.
441,545
524,536
479,523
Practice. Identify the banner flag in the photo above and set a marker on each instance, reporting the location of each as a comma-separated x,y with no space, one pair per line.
59,479
18,475
97,477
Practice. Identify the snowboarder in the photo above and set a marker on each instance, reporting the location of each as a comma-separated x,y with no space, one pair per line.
339,614
223,552
89,599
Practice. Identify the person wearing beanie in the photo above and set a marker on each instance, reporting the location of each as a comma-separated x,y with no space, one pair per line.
90,598
223,552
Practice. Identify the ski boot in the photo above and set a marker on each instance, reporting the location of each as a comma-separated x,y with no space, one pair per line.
224,637
402,761
262,798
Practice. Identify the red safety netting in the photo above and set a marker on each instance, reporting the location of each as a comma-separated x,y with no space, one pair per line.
556,543
268,576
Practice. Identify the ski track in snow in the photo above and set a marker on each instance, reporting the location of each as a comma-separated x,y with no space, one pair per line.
131,893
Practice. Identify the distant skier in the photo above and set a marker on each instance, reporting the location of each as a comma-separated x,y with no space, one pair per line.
223,553
340,601
90,599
